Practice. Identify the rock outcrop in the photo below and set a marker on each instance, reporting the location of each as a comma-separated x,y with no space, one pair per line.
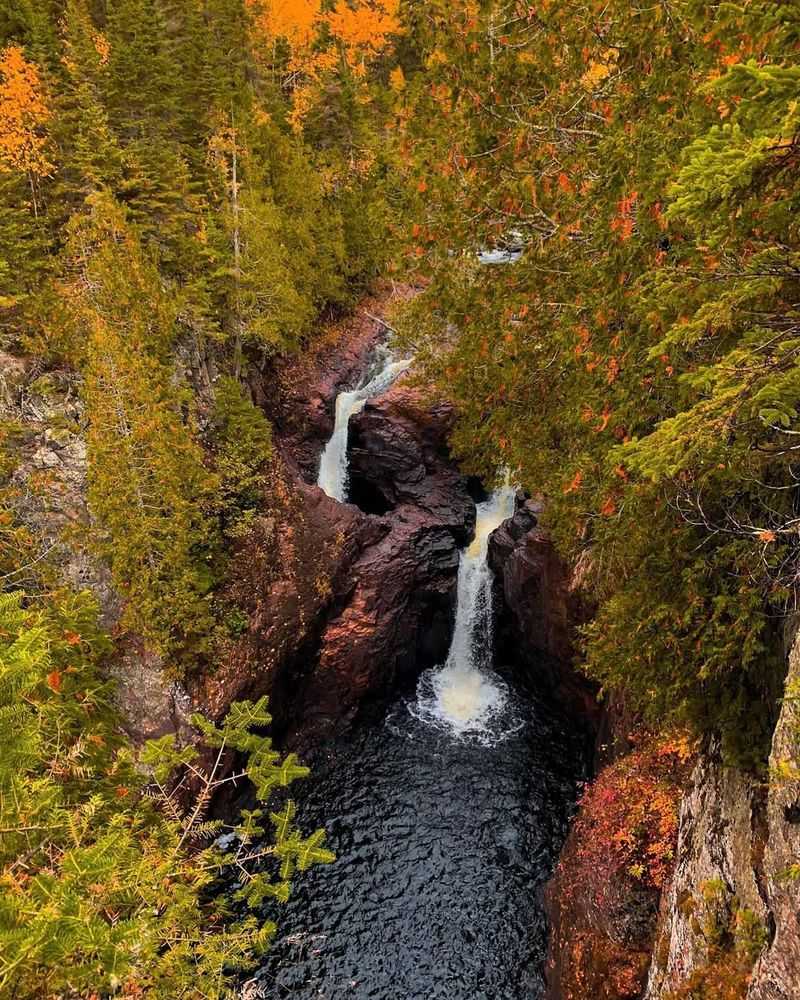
718,868
396,621
292,571
733,889
777,972
399,456
48,492
728,918
543,605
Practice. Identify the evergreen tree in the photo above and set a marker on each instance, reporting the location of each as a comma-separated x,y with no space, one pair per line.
637,364
148,486
106,875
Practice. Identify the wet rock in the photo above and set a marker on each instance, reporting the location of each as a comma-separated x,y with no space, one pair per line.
399,456
337,606
299,393
535,583
396,622
543,605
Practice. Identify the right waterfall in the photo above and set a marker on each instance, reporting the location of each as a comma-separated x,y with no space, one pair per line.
465,696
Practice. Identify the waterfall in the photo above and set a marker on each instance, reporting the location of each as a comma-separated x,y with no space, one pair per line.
465,696
332,477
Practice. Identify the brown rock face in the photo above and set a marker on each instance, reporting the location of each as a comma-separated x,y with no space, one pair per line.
396,621
544,607
399,456
536,584
292,572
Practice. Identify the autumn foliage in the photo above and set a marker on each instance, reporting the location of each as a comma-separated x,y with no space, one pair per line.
321,40
24,115
635,356
628,821
619,856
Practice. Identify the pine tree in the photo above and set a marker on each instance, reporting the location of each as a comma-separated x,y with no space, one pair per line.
148,486
106,869
637,364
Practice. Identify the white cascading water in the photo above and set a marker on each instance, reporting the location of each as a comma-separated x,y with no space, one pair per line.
333,466
465,696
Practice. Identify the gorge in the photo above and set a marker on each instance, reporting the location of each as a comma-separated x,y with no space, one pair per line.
399,500
447,801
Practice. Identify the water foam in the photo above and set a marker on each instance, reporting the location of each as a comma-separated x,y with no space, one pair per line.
465,697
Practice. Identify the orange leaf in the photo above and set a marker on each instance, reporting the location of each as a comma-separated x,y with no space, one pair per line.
605,416
609,507
54,680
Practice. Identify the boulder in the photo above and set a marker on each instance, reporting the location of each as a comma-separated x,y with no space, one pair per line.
396,623
399,456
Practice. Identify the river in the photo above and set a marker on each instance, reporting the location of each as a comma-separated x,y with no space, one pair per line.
446,812
443,845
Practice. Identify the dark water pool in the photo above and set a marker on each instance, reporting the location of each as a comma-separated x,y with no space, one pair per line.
443,848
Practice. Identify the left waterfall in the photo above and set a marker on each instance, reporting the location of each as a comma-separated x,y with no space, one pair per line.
333,466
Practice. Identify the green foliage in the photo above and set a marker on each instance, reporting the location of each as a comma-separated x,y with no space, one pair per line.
639,365
242,445
148,485
176,227
105,882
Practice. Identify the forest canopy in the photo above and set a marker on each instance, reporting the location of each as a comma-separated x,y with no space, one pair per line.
189,187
